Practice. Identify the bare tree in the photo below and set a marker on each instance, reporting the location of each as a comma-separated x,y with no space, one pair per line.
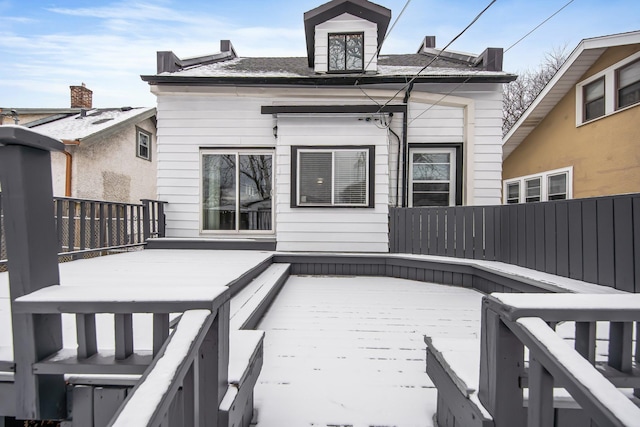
520,93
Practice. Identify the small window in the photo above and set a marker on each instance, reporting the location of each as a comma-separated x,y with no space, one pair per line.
541,187
628,85
432,177
333,176
143,145
533,190
594,100
557,187
513,193
346,52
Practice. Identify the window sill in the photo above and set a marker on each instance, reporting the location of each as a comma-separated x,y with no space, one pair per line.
628,107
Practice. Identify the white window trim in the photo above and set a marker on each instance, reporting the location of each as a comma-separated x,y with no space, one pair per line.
544,182
139,132
237,231
610,92
452,170
333,150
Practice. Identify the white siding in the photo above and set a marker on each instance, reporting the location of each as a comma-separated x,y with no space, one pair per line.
331,229
185,125
190,122
346,23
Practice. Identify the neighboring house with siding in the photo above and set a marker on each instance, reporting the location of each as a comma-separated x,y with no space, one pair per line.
109,152
580,137
307,154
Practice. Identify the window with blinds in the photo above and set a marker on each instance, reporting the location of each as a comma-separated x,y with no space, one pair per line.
333,176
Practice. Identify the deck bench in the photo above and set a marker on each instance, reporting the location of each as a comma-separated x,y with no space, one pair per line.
454,364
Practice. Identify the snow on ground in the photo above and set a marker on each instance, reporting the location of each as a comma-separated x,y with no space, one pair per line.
350,350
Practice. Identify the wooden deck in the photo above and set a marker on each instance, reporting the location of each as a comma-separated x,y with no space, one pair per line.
350,351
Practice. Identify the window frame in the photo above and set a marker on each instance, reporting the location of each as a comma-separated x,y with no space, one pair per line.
237,152
295,179
544,185
610,76
617,85
344,70
586,102
148,135
457,149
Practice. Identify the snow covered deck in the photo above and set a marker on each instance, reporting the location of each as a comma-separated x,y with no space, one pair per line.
350,350
338,350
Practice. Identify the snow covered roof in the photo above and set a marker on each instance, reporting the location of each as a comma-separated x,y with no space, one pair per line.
94,123
581,59
295,70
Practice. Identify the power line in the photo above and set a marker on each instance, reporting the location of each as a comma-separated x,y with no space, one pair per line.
505,51
379,48
538,26
438,55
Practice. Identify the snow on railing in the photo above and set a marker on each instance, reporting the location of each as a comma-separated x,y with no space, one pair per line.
189,363
511,322
167,393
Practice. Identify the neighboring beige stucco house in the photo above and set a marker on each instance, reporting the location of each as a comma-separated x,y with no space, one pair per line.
110,153
580,137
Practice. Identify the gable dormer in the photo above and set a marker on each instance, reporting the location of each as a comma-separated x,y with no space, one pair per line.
343,36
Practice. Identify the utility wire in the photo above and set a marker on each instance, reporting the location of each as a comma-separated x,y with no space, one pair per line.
438,55
380,47
538,26
505,51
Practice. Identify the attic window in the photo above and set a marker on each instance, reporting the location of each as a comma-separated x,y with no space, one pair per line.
346,52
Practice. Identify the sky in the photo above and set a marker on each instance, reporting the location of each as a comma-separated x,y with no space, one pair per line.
48,45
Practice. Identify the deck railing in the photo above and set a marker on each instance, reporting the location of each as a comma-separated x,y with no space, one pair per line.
87,227
511,322
593,239
169,387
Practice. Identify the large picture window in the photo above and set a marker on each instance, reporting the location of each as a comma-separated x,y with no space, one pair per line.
332,176
237,191
346,52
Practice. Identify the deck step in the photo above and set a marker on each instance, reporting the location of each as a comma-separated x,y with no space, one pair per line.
249,305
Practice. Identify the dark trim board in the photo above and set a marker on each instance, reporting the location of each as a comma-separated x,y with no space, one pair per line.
332,109
229,244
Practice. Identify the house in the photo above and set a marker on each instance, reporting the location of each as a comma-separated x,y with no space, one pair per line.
308,153
109,152
579,138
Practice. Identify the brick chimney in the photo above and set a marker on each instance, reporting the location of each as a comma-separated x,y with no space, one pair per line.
81,97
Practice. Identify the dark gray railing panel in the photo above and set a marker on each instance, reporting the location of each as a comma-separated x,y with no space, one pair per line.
596,240
88,226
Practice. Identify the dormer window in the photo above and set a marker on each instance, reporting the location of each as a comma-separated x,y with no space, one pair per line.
346,52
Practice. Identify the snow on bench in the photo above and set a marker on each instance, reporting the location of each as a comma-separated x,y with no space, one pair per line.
249,305
454,364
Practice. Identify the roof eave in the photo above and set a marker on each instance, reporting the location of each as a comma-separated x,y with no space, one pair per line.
111,130
321,80
526,123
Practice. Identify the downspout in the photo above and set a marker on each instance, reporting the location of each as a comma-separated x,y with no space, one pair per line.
405,146
69,164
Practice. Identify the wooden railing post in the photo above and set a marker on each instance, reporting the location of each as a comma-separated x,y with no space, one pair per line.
501,367
146,220
32,248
